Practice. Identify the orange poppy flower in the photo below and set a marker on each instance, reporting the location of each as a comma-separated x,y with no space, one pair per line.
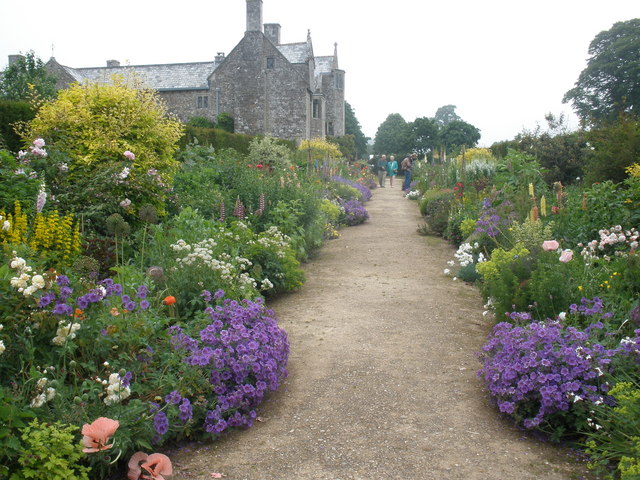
96,435
170,300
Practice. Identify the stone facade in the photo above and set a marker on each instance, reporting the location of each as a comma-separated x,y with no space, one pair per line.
281,90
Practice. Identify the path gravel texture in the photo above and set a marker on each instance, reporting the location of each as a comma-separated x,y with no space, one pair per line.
382,373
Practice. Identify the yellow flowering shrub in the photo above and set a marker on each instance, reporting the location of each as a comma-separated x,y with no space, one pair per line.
634,170
500,259
13,226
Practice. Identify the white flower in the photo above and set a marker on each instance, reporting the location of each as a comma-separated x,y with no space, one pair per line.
124,173
125,203
18,263
562,315
451,263
38,401
446,271
51,392
2,347
38,281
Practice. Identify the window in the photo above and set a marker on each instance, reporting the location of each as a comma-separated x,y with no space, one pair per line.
339,80
316,108
271,62
203,101
330,128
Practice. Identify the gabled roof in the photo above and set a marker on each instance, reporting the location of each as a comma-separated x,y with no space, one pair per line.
296,52
174,76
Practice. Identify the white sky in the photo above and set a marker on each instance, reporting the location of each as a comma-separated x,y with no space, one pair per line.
503,63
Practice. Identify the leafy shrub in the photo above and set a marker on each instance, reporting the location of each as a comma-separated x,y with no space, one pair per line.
435,206
226,122
201,122
331,210
12,112
266,151
365,192
51,451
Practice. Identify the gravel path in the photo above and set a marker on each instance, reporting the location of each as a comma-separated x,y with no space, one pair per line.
382,373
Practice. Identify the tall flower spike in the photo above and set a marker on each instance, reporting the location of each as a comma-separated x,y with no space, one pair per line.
238,211
260,210
223,214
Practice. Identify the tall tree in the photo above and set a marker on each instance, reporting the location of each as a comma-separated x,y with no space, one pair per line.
610,84
352,127
445,115
393,136
27,71
458,133
424,135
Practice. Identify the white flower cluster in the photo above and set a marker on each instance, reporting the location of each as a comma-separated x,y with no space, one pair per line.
116,391
413,195
66,331
45,393
5,224
266,284
21,281
273,238
464,255
616,236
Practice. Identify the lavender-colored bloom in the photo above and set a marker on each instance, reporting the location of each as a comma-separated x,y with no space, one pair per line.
365,192
173,397
144,305
206,294
131,306
62,309
126,380
354,212
142,291
161,423
62,280
46,299
186,410
219,294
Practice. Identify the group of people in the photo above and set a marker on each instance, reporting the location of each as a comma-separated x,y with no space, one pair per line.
389,168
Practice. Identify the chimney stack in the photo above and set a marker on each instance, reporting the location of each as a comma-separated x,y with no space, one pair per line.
254,15
272,31
113,63
15,58
219,58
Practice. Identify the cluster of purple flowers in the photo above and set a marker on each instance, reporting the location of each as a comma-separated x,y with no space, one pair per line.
354,212
489,220
243,353
366,193
544,366
105,289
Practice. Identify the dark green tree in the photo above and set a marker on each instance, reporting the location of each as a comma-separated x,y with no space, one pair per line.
352,127
458,133
424,133
393,136
346,144
445,115
27,71
610,84
225,122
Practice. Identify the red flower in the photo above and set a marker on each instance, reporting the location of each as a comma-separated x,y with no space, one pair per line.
259,165
170,300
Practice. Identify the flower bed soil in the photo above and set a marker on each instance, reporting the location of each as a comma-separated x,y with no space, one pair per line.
382,373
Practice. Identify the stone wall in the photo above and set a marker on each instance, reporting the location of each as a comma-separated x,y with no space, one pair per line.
184,103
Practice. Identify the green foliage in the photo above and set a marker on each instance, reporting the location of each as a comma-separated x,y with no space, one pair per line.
330,210
20,186
88,129
52,452
445,115
435,206
616,146
346,144
25,78
226,123
608,86
11,113
266,151
392,136
201,122
531,234
352,127
458,133
12,420
424,135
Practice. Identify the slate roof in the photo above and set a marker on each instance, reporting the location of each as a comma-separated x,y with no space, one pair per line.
174,76
295,52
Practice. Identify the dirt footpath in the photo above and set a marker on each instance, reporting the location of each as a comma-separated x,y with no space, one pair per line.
382,373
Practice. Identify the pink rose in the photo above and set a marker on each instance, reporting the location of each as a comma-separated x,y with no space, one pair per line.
566,256
129,155
550,245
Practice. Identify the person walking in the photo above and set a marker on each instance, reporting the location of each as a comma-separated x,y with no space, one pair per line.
382,170
392,169
407,166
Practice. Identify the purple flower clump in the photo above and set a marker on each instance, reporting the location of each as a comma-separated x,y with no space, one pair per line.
489,220
543,368
366,193
243,353
354,212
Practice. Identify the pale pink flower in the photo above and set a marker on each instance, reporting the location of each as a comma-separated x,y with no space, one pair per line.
39,142
566,256
156,465
129,155
97,434
125,203
550,245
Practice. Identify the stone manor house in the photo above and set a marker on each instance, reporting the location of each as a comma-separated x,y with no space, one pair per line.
281,90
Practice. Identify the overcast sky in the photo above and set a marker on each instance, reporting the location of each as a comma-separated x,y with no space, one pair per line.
503,63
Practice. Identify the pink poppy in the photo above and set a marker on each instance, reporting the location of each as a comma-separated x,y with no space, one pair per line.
156,465
96,435
566,256
550,245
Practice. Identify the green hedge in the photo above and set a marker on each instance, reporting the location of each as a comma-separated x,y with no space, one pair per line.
12,111
221,140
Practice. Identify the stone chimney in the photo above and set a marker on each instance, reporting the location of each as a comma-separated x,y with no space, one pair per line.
254,15
15,58
113,63
219,58
272,31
